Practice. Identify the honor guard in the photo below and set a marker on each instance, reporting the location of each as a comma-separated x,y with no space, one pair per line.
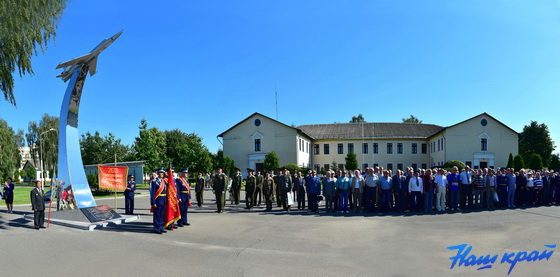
219,189
184,196
199,189
129,195
250,187
157,200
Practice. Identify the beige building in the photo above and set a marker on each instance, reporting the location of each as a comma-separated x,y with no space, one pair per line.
250,140
481,141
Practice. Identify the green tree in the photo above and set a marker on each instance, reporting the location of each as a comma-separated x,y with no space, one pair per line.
99,150
193,154
334,165
8,151
518,162
44,146
173,139
536,162
226,162
351,161
357,119
229,165
26,26
271,161
555,162
535,138
31,172
412,119
510,161
93,181
150,147
450,164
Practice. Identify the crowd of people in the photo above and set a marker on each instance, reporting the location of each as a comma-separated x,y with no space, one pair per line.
379,190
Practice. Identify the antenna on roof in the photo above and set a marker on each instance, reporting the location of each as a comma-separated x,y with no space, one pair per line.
276,95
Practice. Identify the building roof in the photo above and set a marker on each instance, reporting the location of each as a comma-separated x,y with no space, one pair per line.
259,114
483,114
370,130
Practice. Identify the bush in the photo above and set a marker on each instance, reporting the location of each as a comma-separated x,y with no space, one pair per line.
450,164
30,172
292,168
536,162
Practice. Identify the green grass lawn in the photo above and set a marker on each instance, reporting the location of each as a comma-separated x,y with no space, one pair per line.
21,195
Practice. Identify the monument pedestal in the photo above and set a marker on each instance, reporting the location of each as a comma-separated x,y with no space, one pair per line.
88,218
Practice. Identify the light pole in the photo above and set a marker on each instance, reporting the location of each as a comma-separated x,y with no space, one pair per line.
42,156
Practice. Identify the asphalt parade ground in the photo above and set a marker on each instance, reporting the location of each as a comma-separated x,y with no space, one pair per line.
240,242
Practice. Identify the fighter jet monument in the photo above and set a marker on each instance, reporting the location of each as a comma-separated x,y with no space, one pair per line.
71,174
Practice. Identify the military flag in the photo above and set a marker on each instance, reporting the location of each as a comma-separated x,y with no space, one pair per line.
172,212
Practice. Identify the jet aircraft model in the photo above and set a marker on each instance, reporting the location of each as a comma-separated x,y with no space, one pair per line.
87,59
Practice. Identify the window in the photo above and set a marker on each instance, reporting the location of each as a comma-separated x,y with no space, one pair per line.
350,148
375,148
483,144
316,149
399,148
307,147
424,148
468,163
340,166
327,167
317,167
365,148
340,148
299,144
326,149
414,148
389,148
438,145
424,166
400,166
414,166
389,166
364,166
375,165
442,142
257,145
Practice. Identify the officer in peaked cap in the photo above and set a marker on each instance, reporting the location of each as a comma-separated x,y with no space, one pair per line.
250,187
184,196
237,181
157,200
219,188
129,195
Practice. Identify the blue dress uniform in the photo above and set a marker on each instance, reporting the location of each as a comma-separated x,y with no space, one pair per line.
129,196
184,195
502,188
157,197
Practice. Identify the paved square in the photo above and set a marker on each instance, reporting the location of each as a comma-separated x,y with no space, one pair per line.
254,243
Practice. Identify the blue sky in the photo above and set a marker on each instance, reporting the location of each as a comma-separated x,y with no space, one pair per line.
203,66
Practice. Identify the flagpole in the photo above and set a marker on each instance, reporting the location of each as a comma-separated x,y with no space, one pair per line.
114,187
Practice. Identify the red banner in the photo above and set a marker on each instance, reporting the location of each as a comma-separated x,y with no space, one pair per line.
112,177
172,212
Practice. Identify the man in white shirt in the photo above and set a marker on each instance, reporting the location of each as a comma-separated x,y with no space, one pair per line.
441,183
